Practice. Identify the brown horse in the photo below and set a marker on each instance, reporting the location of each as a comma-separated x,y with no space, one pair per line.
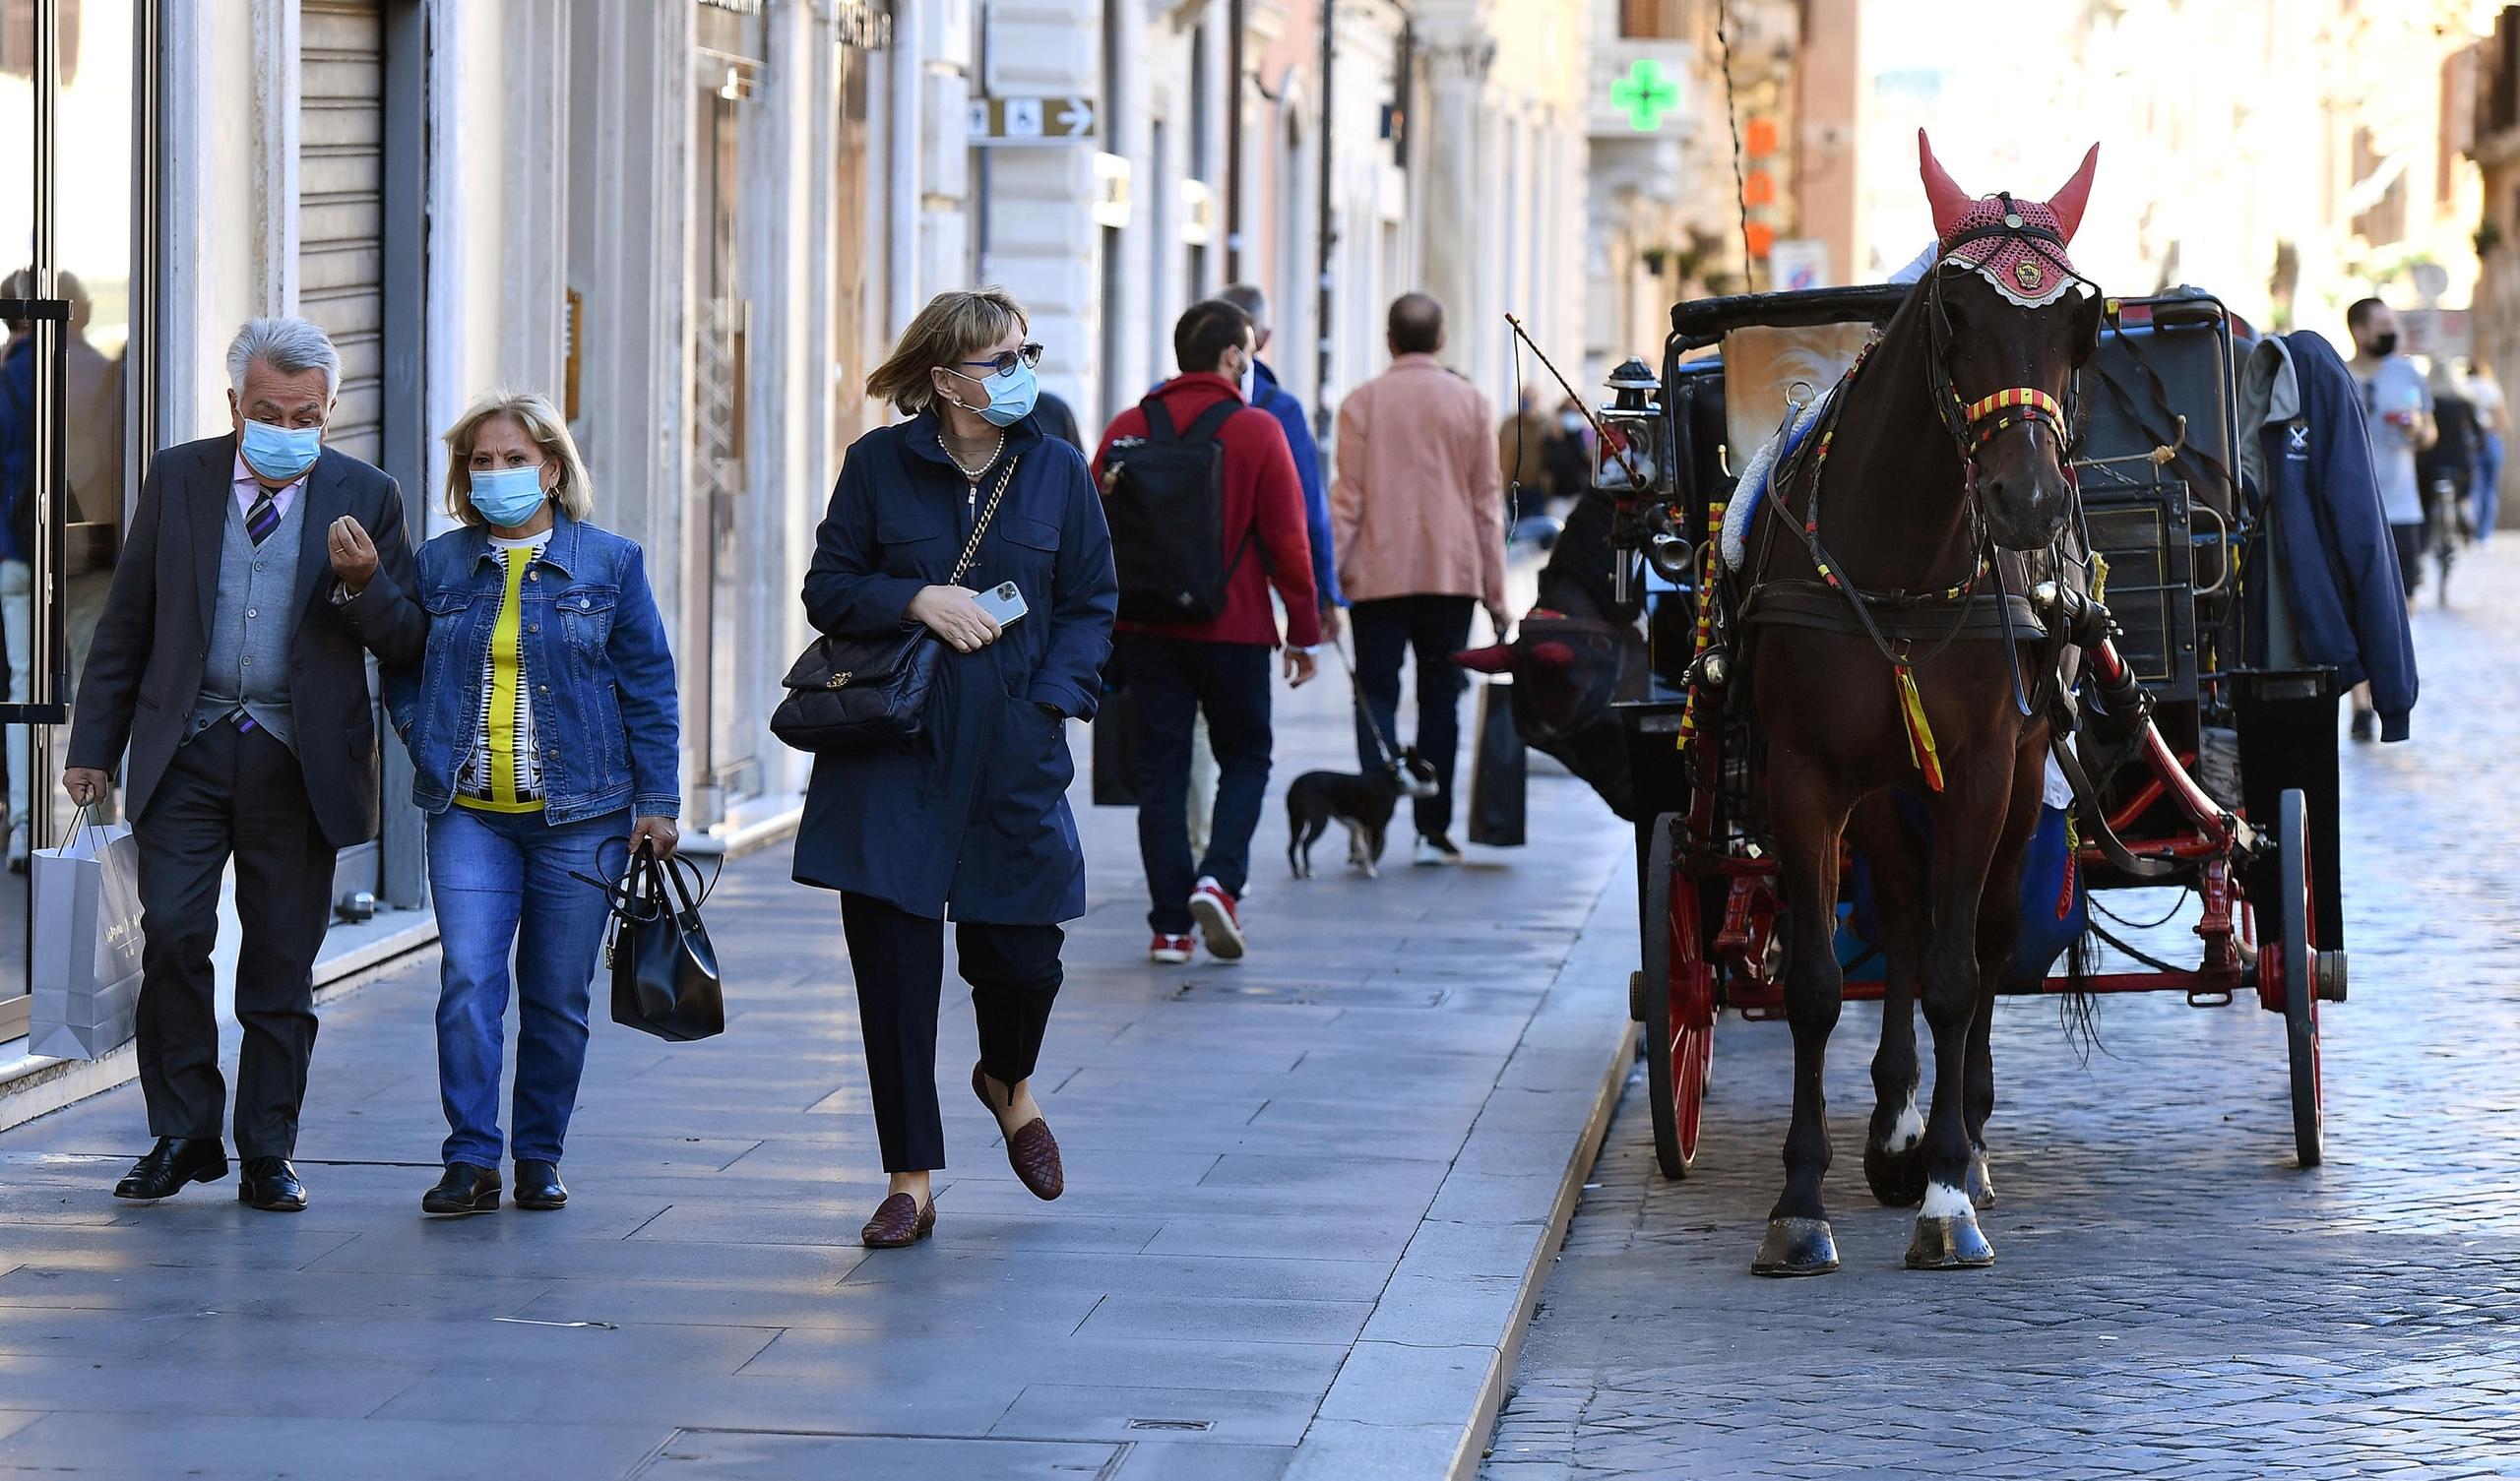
1893,650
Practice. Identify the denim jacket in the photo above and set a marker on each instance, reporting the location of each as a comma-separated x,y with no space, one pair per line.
597,671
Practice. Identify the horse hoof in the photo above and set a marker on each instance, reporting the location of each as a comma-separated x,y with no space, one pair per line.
1981,1182
1896,1179
1797,1247
1949,1242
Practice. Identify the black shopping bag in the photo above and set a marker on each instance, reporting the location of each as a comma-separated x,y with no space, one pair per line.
664,972
1496,771
1115,750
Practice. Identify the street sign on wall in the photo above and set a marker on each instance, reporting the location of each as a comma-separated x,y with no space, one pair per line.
1031,120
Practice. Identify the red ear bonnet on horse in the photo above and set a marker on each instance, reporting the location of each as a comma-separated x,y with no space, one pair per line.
1949,200
2029,272
2068,203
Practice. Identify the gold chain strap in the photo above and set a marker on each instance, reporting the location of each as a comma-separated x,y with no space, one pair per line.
972,548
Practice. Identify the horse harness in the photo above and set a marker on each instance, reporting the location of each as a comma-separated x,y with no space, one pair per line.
1895,621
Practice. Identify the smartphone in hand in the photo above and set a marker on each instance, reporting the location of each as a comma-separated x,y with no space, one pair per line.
1002,603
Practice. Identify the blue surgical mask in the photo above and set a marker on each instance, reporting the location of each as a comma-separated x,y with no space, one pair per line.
279,452
1010,396
507,497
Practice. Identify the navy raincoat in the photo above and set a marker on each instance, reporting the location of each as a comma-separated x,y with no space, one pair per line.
974,815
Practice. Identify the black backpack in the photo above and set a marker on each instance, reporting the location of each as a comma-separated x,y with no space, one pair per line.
1164,499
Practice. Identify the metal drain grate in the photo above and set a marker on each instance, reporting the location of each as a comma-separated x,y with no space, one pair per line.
1173,1424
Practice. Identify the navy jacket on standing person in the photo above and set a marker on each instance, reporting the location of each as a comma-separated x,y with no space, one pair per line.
1280,402
974,815
2329,535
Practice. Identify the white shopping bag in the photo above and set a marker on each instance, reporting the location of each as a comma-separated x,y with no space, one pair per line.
85,958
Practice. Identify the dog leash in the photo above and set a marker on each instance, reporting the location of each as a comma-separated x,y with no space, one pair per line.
1356,691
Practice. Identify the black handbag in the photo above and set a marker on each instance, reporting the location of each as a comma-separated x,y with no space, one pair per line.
664,971
1497,771
852,694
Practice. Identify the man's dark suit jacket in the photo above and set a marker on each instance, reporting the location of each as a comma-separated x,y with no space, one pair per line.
144,670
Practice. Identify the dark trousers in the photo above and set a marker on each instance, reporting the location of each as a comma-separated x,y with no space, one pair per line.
1172,679
900,962
1435,628
241,795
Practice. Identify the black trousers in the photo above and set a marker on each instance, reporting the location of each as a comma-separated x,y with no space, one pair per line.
1171,680
1435,628
241,795
900,961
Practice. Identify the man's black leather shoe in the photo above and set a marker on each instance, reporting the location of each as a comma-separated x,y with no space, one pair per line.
271,1184
173,1162
465,1189
538,1186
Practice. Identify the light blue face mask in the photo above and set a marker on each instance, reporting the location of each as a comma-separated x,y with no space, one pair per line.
507,497
1010,396
279,453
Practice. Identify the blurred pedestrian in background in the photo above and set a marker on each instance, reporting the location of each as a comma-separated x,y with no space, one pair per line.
1522,457
2397,409
2446,472
1418,520
2484,393
543,725
1218,665
1570,455
971,818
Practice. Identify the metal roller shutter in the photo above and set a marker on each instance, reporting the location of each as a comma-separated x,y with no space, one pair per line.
341,202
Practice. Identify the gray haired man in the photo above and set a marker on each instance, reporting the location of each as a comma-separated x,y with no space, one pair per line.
231,662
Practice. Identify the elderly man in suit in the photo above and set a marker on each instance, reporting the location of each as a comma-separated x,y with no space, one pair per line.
231,661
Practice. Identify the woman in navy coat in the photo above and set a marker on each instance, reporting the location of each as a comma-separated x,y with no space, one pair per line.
972,820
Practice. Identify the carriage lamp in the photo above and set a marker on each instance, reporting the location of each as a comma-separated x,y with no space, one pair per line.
1629,460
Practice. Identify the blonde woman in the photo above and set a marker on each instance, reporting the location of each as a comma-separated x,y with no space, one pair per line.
971,819
543,727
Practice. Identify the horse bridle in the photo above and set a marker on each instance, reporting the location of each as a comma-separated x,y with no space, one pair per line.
1972,425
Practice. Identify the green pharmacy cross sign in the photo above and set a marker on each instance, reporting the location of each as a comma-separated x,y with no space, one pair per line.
1645,94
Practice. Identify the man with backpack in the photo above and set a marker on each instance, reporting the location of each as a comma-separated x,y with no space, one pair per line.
1206,515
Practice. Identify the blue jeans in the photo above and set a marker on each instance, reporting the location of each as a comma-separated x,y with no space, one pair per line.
1172,680
501,883
2488,485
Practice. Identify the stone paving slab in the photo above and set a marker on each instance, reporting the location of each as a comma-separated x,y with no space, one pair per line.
2172,1297
1308,1201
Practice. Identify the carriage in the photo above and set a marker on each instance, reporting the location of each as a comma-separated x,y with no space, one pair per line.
2212,775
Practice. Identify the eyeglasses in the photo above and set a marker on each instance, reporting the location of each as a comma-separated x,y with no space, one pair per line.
1005,363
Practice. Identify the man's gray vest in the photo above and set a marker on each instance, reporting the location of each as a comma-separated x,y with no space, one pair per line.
250,635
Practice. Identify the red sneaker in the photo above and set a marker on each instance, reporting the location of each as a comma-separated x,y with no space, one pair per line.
1213,908
1168,950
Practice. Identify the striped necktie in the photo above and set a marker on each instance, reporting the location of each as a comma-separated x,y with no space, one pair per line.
262,518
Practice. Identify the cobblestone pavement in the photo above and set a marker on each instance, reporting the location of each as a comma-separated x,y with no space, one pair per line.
1252,1152
2172,1298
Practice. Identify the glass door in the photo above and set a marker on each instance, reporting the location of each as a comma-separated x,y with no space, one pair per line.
70,70
723,716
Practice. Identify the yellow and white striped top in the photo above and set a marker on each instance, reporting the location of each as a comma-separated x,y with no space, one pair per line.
503,773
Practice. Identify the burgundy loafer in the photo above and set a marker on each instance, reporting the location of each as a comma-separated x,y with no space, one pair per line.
899,1223
1032,1151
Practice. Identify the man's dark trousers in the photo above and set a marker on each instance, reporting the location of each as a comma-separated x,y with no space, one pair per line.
1435,628
230,794
1170,680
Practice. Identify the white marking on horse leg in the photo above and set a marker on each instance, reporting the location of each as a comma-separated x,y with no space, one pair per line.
1908,1131
1942,1201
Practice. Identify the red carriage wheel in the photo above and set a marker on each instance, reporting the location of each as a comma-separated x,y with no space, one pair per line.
2299,973
1678,1002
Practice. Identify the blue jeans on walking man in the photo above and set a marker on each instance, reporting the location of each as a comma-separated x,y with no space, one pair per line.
1173,680
503,889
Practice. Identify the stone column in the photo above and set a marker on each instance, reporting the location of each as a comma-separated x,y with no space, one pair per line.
1455,62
